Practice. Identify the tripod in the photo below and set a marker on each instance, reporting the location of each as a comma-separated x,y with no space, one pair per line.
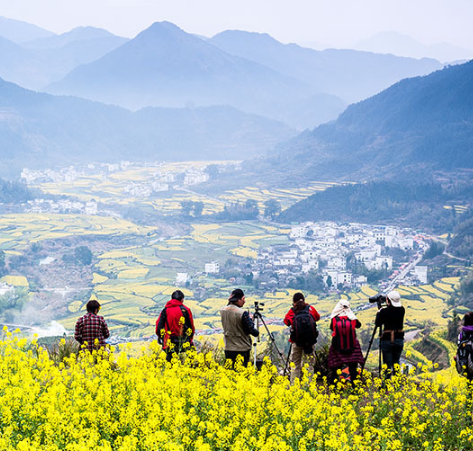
369,348
257,318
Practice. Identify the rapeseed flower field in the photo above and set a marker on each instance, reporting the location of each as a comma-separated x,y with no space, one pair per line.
109,401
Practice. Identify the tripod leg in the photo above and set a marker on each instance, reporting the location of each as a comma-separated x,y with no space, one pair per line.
287,360
369,348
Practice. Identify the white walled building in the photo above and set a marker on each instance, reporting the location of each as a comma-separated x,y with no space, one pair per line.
421,273
212,268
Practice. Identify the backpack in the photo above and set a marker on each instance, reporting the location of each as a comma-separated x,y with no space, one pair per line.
178,340
463,358
304,331
343,334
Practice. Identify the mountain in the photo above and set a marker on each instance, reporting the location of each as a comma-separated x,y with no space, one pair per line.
75,35
403,45
413,128
164,66
41,130
18,32
348,74
37,63
22,66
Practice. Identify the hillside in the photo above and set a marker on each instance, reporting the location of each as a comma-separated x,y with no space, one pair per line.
40,62
19,31
165,66
44,130
417,205
417,126
349,74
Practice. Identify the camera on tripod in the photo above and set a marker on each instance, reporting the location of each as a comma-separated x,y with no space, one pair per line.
258,306
379,299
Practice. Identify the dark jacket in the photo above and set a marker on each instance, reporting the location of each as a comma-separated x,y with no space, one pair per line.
392,319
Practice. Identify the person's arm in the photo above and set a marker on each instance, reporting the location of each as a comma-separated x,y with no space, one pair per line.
78,330
249,325
314,313
379,318
104,327
289,317
358,324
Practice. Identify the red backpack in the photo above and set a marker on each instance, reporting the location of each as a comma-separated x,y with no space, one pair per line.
343,334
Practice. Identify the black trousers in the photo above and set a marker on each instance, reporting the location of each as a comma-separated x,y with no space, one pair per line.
232,355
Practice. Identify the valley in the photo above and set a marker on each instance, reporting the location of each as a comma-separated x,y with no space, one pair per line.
92,235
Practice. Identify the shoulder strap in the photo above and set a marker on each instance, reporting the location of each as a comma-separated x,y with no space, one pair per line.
163,319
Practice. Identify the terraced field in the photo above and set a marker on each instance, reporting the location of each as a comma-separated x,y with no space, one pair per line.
134,281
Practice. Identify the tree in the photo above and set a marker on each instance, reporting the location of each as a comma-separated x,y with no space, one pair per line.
252,205
212,170
2,262
329,281
186,207
83,255
272,208
198,209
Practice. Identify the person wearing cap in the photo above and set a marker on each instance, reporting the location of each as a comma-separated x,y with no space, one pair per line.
237,328
91,329
391,319
175,326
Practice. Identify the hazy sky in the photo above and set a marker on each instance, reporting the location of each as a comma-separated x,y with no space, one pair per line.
334,22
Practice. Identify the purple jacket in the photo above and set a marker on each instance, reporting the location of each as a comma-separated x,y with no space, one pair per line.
466,330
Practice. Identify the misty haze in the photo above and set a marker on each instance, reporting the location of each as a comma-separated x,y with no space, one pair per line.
202,156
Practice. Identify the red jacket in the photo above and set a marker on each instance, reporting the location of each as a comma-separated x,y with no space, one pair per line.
174,323
290,316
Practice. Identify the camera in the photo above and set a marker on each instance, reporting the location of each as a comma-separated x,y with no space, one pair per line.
379,299
258,306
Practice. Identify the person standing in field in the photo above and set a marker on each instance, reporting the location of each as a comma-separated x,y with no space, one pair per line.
345,349
302,319
237,328
91,329
391,318
175,326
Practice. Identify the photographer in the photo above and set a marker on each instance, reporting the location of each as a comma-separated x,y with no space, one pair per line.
345,348
175,326
302,319
237,328
392,339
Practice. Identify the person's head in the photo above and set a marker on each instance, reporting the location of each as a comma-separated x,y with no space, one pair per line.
298,301
93,306
237,297
178,295
343,309
468,319
394,298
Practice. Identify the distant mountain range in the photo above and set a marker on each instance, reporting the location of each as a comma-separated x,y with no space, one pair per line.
41,130
348,74
417,126
36,63
402,45
164,66
18,31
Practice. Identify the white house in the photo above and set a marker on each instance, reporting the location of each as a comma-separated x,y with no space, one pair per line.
212,268
181,278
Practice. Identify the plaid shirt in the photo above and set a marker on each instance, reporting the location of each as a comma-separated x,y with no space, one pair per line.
90,327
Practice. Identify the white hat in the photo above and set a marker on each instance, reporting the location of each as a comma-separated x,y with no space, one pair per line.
395,298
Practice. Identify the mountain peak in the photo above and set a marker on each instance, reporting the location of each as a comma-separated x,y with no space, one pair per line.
162,29
87,33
